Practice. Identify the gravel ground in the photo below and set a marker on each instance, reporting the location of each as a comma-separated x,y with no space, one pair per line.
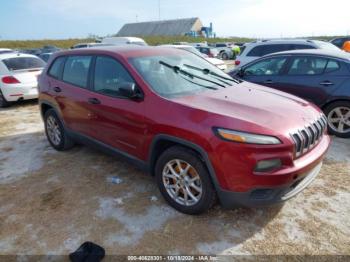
51,202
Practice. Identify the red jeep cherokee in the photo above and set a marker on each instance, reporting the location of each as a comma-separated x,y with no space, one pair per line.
200,132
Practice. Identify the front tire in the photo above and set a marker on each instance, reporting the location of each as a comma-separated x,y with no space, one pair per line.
184,181
55,132
338,117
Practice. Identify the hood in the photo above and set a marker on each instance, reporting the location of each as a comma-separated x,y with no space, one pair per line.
255,107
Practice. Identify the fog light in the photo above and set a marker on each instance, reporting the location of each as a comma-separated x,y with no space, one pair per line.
268,165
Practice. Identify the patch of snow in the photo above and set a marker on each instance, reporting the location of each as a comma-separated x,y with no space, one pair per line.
222,247
114,180
22,158
27,128
154,198
135,225
7,243
118,200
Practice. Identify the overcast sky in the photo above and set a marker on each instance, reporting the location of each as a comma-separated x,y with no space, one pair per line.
37,19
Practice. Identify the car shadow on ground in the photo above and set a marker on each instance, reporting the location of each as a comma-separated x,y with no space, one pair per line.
66,198
20,104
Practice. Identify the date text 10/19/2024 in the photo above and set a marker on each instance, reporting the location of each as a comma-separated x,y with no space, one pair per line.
173,258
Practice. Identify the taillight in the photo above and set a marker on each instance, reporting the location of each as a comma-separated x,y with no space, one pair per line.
237,62
10,80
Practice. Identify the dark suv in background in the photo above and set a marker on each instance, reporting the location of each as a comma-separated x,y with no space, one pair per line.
254,50
320,76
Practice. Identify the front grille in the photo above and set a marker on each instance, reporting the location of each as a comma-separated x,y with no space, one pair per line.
309,136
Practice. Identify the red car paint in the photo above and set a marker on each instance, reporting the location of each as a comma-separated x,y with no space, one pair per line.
131,126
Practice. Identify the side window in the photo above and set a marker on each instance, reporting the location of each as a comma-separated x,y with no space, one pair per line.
332,66
300,46
76,70
56,67
109,75
269,49
270,66
307,66
256,51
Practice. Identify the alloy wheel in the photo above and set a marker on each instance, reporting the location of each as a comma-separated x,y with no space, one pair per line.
182,182
53,130
339,119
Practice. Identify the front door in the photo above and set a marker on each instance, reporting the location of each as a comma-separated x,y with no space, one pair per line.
265,72
118,121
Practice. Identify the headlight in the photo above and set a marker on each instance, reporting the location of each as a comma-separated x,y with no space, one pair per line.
243,137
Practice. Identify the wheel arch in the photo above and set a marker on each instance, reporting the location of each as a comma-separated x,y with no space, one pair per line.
328,103
162,142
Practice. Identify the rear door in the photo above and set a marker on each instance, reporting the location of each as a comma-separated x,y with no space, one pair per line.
265,71
117,121
71,91
313,78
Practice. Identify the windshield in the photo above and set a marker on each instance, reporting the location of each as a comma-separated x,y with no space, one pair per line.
178,75
21,63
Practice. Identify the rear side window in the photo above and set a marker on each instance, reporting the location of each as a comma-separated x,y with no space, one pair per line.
300,46
57,67
22,63
268,49
332,66
307,66
256,51
76,70
242,49
109,75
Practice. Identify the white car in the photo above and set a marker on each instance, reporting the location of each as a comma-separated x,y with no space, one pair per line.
215,61
89,45
116,40
254,50
18,77
5,50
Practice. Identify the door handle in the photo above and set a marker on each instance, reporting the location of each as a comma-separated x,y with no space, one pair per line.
94,101
57,89
326,83
268,82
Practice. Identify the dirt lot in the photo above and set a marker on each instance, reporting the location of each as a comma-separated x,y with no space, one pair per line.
51,202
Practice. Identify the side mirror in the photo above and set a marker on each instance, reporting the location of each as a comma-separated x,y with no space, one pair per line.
129,90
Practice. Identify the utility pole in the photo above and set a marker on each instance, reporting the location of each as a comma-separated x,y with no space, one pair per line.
159,10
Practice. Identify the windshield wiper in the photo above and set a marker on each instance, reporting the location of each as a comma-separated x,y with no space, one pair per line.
207,71
177,70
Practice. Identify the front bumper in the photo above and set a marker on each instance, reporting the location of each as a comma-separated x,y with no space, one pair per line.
268,195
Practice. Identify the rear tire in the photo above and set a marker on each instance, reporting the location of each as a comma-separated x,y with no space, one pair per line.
190,192
3,101
55,132
338,117
224,56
